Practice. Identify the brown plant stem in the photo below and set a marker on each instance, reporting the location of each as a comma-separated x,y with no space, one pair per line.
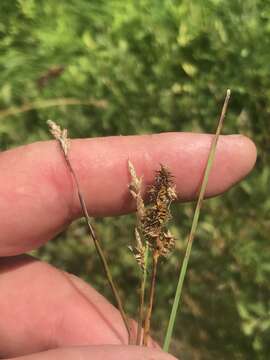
99,249
147,322
42,104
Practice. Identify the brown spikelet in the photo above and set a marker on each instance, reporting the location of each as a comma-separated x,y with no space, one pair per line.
163,183
153,224
139,250
151,230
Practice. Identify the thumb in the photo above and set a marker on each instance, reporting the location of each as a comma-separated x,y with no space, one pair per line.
108,352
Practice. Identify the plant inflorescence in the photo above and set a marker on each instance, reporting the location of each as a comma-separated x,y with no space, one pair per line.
152,236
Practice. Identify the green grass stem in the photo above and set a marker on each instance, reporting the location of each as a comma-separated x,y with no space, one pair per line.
142,296
194,225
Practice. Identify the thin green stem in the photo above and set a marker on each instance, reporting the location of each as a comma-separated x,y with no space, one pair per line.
147,322
142,296
194,225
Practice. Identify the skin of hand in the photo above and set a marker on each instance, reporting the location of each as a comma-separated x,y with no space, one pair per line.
47,313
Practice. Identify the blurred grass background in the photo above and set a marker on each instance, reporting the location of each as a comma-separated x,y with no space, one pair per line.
152,66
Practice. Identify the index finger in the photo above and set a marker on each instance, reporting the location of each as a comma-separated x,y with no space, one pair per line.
38,197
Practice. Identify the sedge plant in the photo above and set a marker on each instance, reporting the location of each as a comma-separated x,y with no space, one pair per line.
153,238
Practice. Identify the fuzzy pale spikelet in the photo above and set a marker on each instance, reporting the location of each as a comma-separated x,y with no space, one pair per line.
135,188
139,250
60,135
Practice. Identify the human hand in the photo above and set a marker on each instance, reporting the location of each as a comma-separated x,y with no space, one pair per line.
43,308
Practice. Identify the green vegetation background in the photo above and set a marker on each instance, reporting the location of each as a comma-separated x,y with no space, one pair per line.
144,67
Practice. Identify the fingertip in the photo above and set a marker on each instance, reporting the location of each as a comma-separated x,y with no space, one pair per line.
247,151
234,159
243,156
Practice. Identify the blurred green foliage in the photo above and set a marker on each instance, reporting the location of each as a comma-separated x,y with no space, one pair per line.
151,66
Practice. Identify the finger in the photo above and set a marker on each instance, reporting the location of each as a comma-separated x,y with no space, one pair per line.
38,197
108,352
44,308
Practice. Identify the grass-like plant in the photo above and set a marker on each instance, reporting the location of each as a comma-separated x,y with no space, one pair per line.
194,225
152,235
62,138
153,239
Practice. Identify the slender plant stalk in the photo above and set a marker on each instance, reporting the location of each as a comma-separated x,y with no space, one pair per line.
42,104
194,225
64,147
100,251
147,322
142,296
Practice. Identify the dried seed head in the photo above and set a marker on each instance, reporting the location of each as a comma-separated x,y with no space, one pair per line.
168,244
136,183
60,135
135,188
172,193
163,185
152,220
157,214
163,177
139,250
